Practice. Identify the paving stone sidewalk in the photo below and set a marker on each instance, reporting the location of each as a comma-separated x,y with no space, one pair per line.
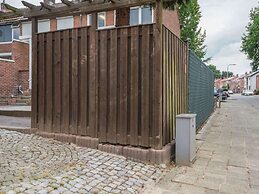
32,164
227,155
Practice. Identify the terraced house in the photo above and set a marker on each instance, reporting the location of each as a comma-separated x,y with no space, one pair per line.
14,54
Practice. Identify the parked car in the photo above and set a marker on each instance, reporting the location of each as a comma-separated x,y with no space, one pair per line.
247,93
216,94
230,92
223,93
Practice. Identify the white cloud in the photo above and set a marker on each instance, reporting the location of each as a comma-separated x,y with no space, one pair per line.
224,22
230,54
19,3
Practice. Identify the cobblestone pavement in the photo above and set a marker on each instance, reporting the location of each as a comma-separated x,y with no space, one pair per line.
227,158
32,164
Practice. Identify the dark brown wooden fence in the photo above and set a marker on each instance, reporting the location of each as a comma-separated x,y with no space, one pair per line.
106,84
175,76
98,84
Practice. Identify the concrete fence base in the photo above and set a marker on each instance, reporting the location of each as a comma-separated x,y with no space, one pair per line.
150,155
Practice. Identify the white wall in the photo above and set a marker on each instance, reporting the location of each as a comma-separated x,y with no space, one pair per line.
253,81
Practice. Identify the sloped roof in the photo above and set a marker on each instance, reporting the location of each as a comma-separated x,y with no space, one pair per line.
254,73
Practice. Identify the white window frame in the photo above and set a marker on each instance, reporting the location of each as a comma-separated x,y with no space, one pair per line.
67,17
27,35
107,27
13,33
5,55
140,13
89,19
45,20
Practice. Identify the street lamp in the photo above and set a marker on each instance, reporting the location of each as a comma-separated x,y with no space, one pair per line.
228,68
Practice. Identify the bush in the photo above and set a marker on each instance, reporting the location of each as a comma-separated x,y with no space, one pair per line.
256,92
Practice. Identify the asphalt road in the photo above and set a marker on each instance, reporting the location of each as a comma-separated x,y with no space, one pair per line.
250,100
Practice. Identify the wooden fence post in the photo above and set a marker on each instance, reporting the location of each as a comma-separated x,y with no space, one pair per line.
158,76
34,92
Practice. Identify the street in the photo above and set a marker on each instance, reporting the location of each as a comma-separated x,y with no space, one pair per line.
227,159
250,100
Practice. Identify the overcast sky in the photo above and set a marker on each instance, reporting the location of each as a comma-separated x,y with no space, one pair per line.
224,22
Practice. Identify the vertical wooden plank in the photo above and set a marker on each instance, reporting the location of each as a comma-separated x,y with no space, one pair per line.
103,86
170,88
74,82
175,85
158,77
65,83
49,97
34,119
92,78
41,87
82,130
134,66
122,122
57,85
112,116
145,87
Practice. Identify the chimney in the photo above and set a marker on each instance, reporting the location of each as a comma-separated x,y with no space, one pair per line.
49,2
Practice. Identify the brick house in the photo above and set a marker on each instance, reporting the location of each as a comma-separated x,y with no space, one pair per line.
16,51
235,83
14,56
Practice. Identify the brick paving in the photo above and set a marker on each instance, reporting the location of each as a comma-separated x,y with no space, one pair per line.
32,164
227,156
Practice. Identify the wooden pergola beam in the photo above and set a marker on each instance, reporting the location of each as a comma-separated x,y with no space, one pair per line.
86,7
68,3
29,5
46,6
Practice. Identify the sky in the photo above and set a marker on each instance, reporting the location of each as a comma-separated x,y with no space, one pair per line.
224,22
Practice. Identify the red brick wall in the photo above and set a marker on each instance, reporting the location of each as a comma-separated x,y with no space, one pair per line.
171,21
16,72
53,25
109,18
23,77
84,20
8,77
5,48
77,21
20,51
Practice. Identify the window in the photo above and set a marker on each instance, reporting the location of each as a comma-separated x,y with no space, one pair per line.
89,19
6,56
26,29
106,19
44,26
101,19
6,33
141,15
134,16
16,32
146,15
65,23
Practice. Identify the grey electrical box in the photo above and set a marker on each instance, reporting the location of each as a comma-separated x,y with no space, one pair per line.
185,139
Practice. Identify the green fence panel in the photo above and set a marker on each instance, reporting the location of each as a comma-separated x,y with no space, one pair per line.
201,89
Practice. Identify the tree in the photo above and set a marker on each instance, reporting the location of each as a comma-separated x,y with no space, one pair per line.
224,74
250,40
216,72
190,16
